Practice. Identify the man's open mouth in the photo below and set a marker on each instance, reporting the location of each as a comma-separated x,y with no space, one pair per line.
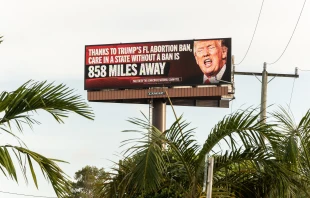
207,62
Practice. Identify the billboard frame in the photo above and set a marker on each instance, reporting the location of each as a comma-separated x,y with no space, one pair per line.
157,85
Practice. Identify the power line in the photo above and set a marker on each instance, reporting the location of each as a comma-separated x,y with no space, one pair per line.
25,195
289,106
253,34
303,69
291,35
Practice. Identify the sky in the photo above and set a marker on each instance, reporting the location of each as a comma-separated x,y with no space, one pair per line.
44,40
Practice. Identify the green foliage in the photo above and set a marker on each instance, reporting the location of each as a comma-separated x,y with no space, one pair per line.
88,180
17,108
263,160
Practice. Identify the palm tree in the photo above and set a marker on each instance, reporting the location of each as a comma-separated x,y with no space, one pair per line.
294,149
251,165
17,108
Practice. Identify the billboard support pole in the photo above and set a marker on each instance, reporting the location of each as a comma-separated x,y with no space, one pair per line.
159,114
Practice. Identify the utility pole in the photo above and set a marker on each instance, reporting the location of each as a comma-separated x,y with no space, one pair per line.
263,103
208,172
264,82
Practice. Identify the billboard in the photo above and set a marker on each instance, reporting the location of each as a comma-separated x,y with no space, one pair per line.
157,64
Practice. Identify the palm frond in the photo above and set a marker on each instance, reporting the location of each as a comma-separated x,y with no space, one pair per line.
151,162
296,146
18,108
284,120
57,100
147,174
147,151
49,168
245,126
256,177
241,157
181,141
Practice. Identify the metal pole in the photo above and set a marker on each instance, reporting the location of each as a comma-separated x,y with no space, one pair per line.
233,73
151,112
159,114
205,174
263,105
210,177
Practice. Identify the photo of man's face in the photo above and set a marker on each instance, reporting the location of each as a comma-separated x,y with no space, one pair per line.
210,55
